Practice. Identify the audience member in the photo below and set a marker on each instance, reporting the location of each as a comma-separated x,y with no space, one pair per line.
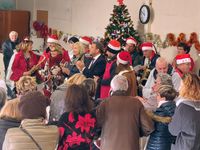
122,118
77,125
25,84
185,122
90,86
10,117
160,138
57,106
33,133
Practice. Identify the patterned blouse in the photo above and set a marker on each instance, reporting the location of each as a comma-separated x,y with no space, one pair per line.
77,130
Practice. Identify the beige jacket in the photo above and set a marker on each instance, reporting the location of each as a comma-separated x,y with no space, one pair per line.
46,136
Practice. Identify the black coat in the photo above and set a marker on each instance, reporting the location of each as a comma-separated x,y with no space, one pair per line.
4,126
8,48
161,138
96,69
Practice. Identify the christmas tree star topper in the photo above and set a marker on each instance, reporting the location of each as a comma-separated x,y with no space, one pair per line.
120,2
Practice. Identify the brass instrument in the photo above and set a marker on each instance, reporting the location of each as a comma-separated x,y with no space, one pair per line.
144,77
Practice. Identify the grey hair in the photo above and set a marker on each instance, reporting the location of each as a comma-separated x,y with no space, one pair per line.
119,83
161,60
165,79
13,33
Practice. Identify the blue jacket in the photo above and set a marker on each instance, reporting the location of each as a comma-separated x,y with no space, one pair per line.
161,139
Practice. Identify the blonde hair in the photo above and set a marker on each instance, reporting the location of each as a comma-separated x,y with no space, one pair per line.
25,84
10,110
25,44
58,47
190,87
80,47
77,78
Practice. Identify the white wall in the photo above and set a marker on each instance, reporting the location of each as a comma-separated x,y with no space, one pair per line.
82,17
26,5
90,17
176,16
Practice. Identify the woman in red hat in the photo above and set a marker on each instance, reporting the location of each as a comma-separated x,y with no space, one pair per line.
51,64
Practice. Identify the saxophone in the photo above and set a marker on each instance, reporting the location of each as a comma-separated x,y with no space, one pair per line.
144,77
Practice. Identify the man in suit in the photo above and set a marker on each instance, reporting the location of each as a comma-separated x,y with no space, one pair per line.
96,67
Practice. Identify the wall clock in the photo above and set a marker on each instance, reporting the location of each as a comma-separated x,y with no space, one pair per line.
144,14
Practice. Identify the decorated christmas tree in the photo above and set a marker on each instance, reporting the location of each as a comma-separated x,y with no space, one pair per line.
121,26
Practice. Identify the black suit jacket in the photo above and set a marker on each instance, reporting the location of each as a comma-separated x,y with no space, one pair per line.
96,69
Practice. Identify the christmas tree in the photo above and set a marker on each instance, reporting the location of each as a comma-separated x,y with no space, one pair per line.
121,26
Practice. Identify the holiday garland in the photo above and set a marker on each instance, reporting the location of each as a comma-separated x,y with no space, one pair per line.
171,40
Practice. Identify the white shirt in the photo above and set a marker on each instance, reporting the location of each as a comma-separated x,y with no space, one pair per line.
93,61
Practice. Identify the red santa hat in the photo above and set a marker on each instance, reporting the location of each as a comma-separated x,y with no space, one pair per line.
131,40
86,40
52,38
183,58
114,46
146,46
124,58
